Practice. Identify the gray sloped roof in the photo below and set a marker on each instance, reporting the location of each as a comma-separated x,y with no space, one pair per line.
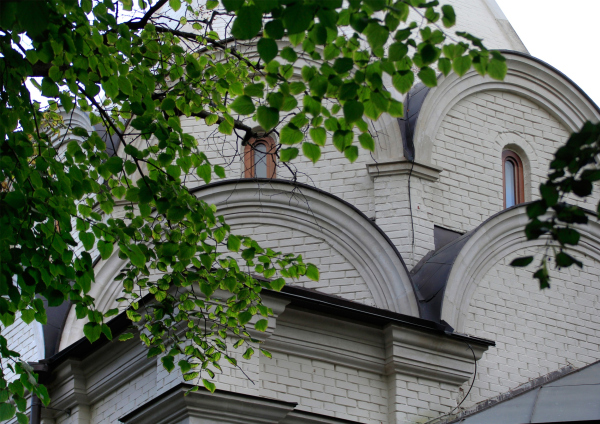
572,398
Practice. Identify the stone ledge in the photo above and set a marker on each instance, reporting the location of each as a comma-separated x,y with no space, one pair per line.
437,358
404,167
222,407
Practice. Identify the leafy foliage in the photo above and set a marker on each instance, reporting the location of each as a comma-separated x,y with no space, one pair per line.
574,170
139,73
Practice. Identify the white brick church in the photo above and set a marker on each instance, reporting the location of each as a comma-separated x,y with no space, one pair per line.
417,309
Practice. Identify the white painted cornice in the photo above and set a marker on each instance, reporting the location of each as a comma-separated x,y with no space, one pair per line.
404,167
203,407
328,339
431,356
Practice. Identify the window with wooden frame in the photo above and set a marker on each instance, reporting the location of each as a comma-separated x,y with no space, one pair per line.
259,158
512,177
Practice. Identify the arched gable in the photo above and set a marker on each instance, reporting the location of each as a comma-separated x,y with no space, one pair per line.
296,207
495,239
321,214
527,77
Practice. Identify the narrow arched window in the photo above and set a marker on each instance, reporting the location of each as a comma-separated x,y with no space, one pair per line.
512,173
259,158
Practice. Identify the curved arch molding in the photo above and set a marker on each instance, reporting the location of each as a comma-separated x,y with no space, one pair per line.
497,238
301,207
527,77
325,216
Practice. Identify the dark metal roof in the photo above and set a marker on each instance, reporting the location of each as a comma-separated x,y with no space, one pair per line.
430,277
112,141
412,106
298,297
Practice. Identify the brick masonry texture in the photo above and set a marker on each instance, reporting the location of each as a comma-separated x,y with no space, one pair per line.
536,332
472,135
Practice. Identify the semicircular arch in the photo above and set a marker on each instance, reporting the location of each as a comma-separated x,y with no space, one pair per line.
497,238
526,77
294,206
321,215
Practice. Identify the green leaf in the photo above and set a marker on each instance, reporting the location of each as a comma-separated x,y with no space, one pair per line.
297,18
343,65
448,16
367,142
261,325
92,330
247,23
497,69
312,272
291,135
289,54
311,151
22,418
114,165
232,5
167,362
445,66
351,153
204,171
15,199
274,29
254,90
568,236
49,88
403,81
27,315
7,411
461,65
318,135
87,239
353,110
377,35
234,243
428,77
125,336
211,119
168,104
208,385
267,49
289,154
243,105
175,4
268,117
136,256
565,260
397,51
220,171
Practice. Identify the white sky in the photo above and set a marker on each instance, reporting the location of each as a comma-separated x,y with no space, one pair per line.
565,34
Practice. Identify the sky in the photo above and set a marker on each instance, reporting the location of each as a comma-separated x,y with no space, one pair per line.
565,34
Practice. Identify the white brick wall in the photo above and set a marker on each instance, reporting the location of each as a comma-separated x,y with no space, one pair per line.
469,146
128,396
325,388
338,276
418,399
536,332
332,173
22,338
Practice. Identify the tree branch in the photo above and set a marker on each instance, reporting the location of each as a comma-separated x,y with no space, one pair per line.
135,25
